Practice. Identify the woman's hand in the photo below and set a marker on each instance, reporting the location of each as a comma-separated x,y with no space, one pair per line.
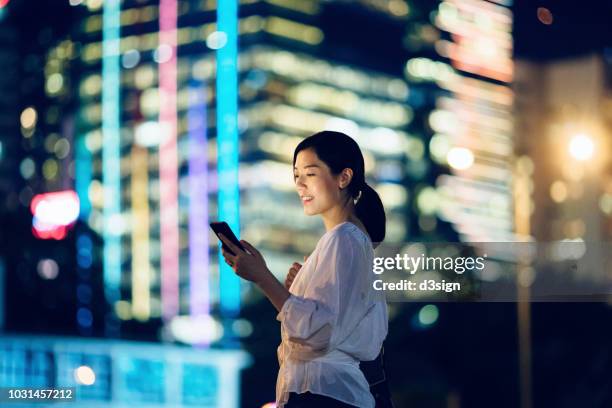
248,265
293,271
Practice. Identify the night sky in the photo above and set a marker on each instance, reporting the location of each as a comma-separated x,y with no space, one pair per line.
577,27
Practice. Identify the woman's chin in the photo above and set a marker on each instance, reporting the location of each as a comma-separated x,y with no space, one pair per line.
309,211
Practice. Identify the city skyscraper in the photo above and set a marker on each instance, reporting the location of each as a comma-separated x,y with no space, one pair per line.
473,121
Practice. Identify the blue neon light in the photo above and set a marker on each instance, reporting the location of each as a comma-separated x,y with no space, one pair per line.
227,145
83,168
111,153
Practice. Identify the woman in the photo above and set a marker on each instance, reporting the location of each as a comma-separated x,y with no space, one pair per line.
331,317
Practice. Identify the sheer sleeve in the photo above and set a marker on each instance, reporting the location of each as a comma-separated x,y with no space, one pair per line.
310,320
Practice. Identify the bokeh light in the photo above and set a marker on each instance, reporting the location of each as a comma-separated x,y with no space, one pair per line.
84,317
47,269
85,375
605,204
94,5
162,54
460,158
427,201
581,147
216,40
53,212
55,83
28,117
545,16
439,146
61,148
428,315
130,59
27,168
50,169
558,191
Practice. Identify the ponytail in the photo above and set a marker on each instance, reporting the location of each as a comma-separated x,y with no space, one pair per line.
370,211
339,152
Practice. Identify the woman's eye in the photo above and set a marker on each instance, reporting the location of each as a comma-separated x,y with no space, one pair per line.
295,176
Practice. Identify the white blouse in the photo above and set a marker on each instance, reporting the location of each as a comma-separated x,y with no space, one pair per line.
332,320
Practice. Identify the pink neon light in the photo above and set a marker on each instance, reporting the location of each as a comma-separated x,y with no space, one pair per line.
168,164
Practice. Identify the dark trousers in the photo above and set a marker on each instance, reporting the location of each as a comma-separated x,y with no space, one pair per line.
374,372
309,400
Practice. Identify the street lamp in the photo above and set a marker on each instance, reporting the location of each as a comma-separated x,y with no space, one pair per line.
581,147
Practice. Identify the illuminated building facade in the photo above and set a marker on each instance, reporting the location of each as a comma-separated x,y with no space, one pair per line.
472,121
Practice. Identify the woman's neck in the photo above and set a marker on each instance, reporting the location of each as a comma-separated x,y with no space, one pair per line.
338,215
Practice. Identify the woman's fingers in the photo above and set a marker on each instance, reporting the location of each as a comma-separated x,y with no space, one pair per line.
230,245
250,248
227,255
289,279
293,271
231,261
295,267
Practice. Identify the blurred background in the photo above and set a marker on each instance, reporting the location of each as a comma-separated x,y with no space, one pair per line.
126,126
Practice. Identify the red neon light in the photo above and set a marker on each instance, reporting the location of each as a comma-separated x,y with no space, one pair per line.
53,214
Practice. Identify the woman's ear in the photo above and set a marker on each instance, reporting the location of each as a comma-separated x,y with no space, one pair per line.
345,178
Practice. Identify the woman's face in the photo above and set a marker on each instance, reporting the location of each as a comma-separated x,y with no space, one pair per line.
317,187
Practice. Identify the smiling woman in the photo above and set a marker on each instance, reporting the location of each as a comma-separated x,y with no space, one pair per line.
333,322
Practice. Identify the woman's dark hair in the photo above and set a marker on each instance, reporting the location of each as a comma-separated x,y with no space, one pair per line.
339,152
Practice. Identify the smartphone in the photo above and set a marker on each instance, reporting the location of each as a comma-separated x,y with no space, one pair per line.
223,228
